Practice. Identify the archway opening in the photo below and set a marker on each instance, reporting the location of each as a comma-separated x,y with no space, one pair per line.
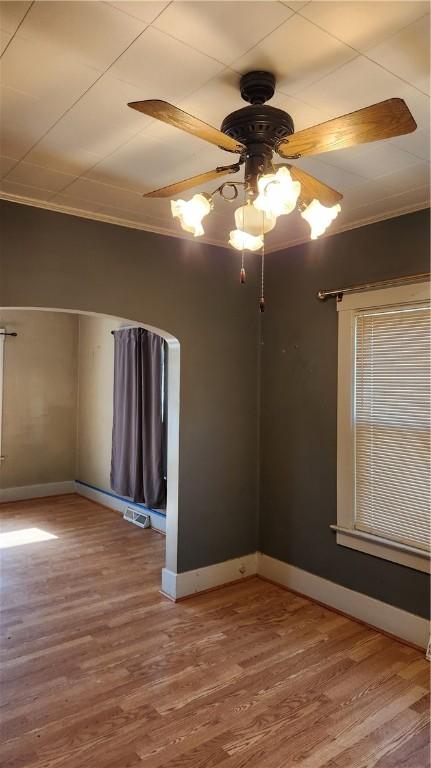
172,404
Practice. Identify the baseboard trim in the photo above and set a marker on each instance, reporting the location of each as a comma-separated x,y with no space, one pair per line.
176,586
375,613
20,493
180,585
117,503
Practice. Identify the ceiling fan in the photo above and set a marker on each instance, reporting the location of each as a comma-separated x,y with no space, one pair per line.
255,133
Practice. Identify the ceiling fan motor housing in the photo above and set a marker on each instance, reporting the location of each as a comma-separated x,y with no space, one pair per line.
258,124
260,127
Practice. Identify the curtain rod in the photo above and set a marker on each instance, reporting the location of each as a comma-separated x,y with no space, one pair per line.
126,328
8,333
337,293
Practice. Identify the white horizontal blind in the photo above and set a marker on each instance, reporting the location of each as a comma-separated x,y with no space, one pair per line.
392,422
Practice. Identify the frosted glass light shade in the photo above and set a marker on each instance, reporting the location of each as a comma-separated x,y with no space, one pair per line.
248,219
278,193
242,241
319,217
191,212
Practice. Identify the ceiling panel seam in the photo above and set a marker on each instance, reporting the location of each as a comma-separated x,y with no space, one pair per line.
14,33
364,55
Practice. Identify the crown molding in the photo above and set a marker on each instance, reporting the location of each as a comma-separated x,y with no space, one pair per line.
158,230
105,218
355,225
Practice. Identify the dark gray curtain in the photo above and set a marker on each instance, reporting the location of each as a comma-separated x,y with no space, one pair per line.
137,430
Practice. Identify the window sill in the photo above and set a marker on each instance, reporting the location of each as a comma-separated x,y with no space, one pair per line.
417,559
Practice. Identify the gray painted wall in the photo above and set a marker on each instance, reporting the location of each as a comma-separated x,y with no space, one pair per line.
299,403
192,291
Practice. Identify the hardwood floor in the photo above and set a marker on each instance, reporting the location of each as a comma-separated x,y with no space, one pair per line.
101,671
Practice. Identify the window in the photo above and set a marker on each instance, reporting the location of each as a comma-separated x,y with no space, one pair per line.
383,505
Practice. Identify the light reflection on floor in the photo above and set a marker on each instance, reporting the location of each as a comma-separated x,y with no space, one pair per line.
24,536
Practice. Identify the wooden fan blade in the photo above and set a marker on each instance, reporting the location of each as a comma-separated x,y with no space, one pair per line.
311,187
171,115
381,121
194,181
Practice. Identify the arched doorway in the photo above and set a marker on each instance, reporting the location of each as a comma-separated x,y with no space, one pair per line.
173,403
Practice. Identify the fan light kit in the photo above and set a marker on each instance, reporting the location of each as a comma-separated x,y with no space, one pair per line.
256,133
191,212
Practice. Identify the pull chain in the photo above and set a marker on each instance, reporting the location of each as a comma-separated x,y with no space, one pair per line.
262,281
262,274
242,274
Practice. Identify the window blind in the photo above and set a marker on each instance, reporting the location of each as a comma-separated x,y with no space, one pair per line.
391,424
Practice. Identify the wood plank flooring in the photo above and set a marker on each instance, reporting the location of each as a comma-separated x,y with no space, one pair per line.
101,671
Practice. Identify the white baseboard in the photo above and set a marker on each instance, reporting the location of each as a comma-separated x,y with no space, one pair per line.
36,491
383,616
158,522
407,626
178,585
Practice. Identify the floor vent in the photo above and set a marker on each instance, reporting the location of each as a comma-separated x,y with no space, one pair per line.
137,517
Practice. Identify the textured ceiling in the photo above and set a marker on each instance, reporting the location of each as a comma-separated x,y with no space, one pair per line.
68,70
